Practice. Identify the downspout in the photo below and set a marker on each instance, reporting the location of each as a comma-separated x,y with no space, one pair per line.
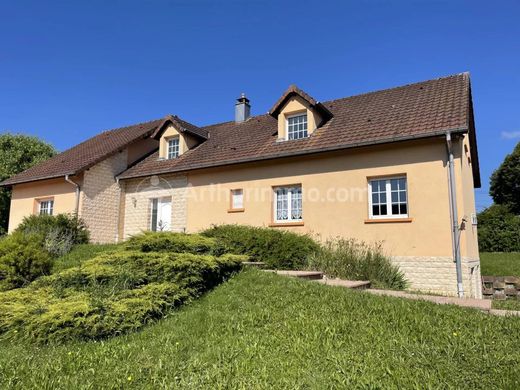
78,189
455,231
118,209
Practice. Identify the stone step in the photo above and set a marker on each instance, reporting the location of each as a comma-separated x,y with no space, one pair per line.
356,284
311,275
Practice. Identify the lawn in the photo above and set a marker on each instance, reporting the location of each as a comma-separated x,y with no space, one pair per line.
261,330
500,263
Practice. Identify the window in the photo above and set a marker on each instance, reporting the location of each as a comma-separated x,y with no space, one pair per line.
173,147
46,207
160,214
288,204
237,199
297,126
388,198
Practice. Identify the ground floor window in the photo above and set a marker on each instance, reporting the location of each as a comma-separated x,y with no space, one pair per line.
160,214
46,207
288,204
388,198
237,199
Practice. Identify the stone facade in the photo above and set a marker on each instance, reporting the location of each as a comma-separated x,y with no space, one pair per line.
438,274
101,198
138,194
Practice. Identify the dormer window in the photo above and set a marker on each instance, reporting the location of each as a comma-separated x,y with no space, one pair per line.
297,126
173,147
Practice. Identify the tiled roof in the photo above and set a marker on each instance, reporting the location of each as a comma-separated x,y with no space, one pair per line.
86,154
418,110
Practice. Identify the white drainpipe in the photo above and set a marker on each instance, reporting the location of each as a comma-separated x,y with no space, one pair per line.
455,231
78,189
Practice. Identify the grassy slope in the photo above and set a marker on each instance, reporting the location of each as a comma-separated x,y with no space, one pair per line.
500,264
261,330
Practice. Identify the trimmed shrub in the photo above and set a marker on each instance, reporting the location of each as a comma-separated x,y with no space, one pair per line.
110,294
498,230
277,248
173,242
60,231
22,260
350,259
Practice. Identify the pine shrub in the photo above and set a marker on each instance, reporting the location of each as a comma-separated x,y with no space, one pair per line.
279,249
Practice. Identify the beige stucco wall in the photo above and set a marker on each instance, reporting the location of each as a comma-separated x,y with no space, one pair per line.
294,106
136,202
422,247
344,175
101,198
466,198
25,196
186,141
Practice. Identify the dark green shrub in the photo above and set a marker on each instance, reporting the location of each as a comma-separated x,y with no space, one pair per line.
349,259
277,248
60,231
173,242
22,260
110,294
498,230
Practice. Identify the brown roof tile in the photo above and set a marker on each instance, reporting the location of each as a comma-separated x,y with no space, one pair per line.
85,154
417,110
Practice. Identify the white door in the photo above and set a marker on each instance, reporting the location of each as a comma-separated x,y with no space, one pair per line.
164,220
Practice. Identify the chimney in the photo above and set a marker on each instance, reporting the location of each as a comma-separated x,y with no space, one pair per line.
242,109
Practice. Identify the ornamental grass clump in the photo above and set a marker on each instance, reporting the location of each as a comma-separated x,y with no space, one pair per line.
354,260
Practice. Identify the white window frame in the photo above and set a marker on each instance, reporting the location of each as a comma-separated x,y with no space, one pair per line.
169,154
287,125
238,192
49,210
290,194
388,191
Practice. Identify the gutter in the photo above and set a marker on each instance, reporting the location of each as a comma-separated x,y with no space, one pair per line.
455,230
78,190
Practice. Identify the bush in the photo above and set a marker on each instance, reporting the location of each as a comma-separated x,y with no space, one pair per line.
498,230
277,248
22,260
60,232
173,242
349,259
111,294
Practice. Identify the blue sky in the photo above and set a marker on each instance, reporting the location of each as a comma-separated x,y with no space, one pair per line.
71,69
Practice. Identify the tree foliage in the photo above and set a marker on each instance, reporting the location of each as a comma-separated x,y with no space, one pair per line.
18,153
505,182
498,230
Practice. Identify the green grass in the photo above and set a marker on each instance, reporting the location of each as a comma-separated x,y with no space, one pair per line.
79,254
500,263
260,330
508,304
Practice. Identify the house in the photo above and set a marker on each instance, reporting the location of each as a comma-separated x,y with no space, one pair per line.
396,166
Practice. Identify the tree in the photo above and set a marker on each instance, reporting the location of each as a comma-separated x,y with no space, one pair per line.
18,153
498,229
505,182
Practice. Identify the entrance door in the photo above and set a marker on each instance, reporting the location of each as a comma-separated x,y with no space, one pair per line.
161,214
